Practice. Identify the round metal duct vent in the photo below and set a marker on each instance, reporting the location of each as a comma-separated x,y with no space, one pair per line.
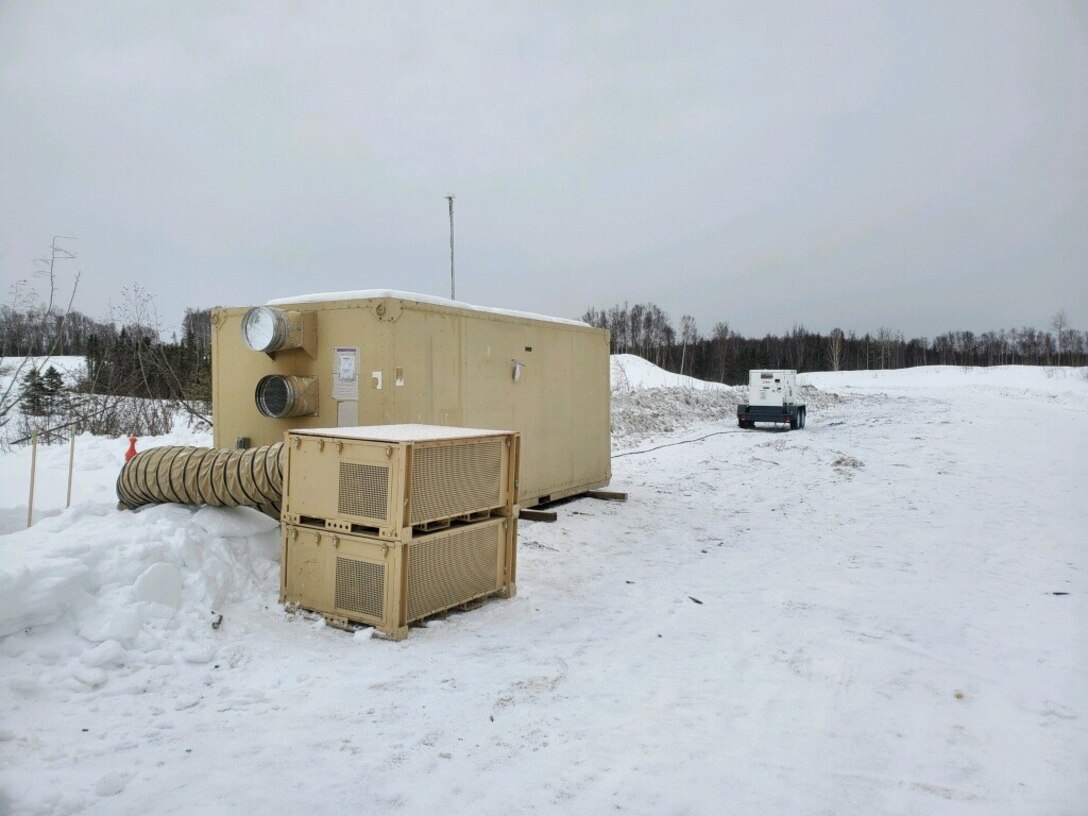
267,329
279,396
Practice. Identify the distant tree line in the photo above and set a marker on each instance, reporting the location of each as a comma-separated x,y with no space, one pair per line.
725,356
133,360
127,360
133,381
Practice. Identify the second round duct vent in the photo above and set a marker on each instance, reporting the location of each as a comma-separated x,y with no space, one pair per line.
280,396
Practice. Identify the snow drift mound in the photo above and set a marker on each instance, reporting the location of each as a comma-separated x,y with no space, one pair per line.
629,372
648,401
639,415
103,596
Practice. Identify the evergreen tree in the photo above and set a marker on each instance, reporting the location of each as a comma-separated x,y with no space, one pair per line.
33,397
53,396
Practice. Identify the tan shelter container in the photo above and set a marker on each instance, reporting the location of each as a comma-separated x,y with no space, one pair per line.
380,357
389,481
389,584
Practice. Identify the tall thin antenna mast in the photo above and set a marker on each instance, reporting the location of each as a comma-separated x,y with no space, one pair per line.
453,280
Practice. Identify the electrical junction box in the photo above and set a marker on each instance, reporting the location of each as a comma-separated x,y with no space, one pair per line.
384,525
378,357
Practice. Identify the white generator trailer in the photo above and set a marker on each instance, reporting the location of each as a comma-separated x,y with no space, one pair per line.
772,397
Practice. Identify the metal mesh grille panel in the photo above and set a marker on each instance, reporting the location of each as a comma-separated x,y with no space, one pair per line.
448,480
360,587
452,568
273,396
364,491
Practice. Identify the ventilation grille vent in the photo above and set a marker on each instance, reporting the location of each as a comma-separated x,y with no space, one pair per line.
451,569
448,480
364,491
360,587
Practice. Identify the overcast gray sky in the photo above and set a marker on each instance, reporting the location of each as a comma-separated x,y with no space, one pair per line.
920,166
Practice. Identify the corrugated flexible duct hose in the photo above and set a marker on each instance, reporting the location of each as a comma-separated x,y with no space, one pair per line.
215,476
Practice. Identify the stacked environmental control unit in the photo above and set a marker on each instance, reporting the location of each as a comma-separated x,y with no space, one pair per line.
385,525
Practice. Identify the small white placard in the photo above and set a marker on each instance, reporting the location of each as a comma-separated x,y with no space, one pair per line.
345,373
347,366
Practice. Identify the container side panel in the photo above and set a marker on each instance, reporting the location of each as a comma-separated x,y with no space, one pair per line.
554,356
490,394
592,413
426,368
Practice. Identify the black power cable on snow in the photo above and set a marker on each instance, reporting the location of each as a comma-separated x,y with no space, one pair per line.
670,445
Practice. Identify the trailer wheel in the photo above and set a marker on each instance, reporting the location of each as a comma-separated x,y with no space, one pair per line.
795,421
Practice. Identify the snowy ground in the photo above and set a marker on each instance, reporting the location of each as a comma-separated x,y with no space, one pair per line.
865,616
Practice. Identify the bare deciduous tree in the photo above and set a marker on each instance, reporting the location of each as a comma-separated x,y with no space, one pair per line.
834,349
796,346
688,335
721,339
1060,322
884,338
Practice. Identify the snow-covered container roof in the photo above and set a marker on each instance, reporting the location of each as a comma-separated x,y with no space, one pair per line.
369,294
399,433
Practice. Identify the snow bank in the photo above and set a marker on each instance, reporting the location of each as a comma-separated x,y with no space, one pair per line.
649,402
630,372
1039,380
644,414
116,575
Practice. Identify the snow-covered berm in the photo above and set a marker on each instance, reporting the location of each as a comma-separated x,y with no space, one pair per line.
883,613
649,402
